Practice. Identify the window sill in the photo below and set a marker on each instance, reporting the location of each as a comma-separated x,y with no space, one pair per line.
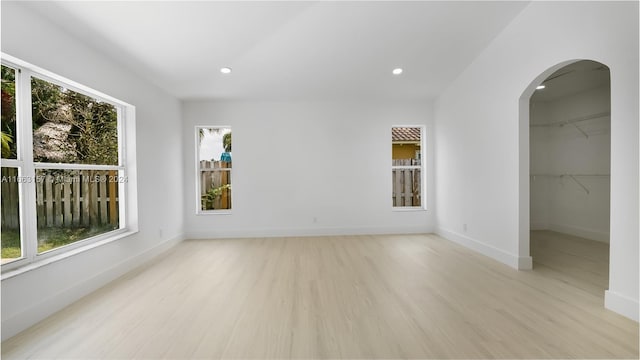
408,209
67,254
214,212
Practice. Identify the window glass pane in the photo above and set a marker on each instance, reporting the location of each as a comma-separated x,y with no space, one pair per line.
214,154
215,190
406,145
215,145
11,246
406,187
8,107
69,127
73,205
406,166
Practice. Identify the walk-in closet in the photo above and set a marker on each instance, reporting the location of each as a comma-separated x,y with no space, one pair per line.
570,139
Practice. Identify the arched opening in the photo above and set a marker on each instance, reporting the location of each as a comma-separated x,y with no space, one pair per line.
565,143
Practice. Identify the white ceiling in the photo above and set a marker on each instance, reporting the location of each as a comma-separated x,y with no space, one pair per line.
289,50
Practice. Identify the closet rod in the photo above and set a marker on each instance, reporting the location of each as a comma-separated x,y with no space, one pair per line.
575,120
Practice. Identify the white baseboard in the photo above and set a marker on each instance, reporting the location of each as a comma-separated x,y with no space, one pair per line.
525,263
516,262
52,304
621,304
538,226
302,232
581,232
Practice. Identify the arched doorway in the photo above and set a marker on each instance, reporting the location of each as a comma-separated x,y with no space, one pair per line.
565,133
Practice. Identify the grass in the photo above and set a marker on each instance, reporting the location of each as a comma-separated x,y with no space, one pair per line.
49,238
10,244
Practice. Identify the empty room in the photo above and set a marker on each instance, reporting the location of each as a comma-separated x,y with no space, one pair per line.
320,179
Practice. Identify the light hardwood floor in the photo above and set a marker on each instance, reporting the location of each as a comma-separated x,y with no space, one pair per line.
408,296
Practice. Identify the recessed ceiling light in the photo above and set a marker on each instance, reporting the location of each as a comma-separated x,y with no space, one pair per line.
225,70
540,87
397,71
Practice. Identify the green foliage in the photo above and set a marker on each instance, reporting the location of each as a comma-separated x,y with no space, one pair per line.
226,138
46,102
10,244
8,105
7,140
226,142
49,238
201,134
94,131
211,195
92,139
54,237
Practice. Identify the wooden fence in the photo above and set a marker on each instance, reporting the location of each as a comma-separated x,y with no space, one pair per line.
215,185
69,198
9,199
406,183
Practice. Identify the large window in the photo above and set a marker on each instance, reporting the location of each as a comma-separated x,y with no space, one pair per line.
63,165
407,166
213,167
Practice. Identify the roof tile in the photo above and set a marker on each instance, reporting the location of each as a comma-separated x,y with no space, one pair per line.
405,134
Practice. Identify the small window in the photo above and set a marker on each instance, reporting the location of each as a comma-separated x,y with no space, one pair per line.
407,167
213,169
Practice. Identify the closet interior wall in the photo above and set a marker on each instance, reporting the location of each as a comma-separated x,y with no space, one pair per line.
570,164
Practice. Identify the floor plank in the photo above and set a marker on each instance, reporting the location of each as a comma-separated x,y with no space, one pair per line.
397,296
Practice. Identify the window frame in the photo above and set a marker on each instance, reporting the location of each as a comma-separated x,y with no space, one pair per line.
198,196
421,167
27,167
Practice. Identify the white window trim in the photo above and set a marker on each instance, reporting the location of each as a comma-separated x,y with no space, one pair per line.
422,167
127,191
198,186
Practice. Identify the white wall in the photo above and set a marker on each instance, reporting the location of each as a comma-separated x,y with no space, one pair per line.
540,200
33,295
482,134
560,204
293,162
